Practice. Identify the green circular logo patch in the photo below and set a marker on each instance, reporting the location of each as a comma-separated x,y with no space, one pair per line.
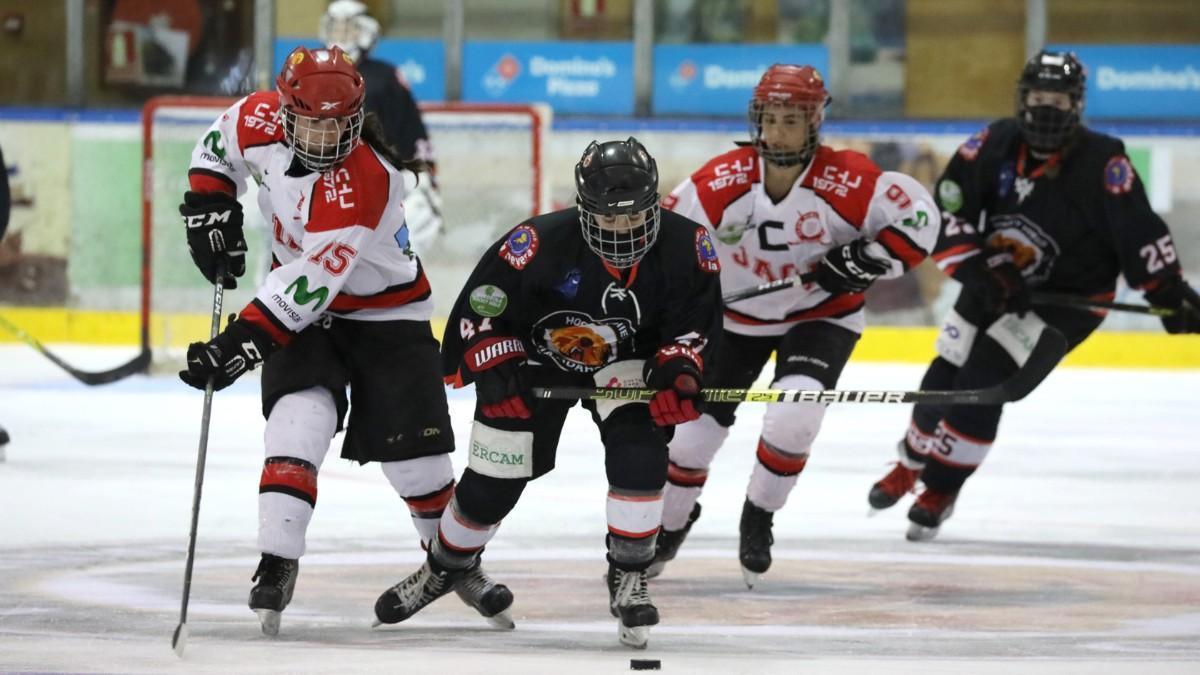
488,300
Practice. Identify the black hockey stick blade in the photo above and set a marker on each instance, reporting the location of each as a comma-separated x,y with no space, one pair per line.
769,287
139,364
1050,348
1079,302
179,639
1046,353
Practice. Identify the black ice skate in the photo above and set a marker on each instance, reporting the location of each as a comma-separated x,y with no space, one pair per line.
931,509
629,601
755,548
276,579
668,543
418,589
489,598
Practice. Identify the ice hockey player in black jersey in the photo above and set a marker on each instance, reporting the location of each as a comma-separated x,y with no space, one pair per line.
611,292
347,24
1038,201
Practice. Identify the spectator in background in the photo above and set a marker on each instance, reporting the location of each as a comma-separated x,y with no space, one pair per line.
347,25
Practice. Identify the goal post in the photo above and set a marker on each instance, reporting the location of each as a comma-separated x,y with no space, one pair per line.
489,161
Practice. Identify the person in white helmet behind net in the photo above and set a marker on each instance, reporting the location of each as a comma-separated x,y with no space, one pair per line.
346,24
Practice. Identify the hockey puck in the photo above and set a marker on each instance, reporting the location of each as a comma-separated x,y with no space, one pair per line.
645,664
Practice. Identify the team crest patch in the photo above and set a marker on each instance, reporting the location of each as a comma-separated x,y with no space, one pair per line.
1118,175
706,253
970,150
488,300
520,247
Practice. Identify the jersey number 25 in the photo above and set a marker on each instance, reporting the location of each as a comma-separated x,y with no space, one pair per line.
1159,254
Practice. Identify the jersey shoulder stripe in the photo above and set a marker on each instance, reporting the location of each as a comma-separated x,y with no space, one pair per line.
724,179
845,180
354,193
259,122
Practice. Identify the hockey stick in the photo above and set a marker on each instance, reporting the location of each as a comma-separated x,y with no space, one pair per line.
179,639
1039,298
1046,353
1079,302
139,363
769,287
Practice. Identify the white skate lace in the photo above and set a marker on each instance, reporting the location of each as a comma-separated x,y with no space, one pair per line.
420,587
474,584
632,590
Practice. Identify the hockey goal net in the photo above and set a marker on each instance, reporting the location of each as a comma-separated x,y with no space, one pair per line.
489,172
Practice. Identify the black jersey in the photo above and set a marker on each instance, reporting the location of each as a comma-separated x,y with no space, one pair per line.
542,284
1073,222
5,196
396,109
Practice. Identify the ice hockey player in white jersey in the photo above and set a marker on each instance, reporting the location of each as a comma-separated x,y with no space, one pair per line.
780,206
345,304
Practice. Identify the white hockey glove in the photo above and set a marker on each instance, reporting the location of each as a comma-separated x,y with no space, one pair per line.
423,213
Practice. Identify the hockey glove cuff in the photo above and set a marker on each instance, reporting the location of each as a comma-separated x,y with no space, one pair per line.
996,281
225,358
675,370
1175,293
499,366
214,233
851,268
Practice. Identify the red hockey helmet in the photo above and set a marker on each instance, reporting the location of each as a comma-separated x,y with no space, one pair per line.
321,95
788,96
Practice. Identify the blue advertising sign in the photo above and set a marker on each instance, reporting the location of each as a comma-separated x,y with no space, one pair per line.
1131,81
718,79
573,77
422,63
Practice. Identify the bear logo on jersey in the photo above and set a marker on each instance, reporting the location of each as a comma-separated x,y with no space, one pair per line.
1031,248
581,344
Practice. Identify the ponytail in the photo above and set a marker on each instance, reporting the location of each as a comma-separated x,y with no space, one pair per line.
372,135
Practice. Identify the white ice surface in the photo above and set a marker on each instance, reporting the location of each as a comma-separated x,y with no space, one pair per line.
1097,473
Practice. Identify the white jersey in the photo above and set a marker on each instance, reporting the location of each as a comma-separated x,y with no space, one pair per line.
339,244
840,197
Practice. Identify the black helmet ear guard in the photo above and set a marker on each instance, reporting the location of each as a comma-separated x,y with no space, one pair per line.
616,183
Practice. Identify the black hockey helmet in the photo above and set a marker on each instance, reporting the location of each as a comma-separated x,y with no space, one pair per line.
1048,128
617,193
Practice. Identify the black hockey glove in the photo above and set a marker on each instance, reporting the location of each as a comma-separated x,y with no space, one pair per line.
996,281
499,367
1175,293
850,268
214,232
675,372
225,358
